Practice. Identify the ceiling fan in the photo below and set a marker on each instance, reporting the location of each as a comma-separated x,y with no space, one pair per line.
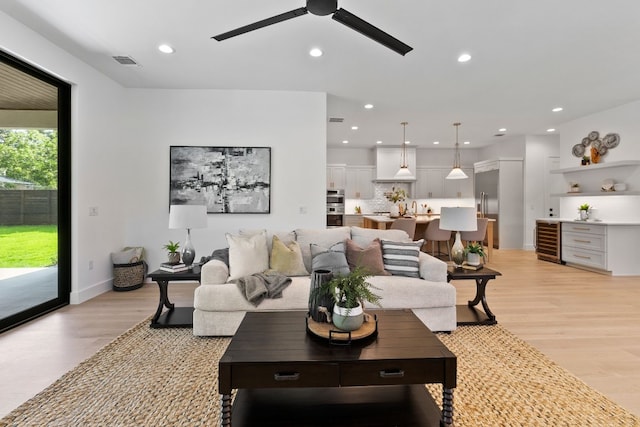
322,8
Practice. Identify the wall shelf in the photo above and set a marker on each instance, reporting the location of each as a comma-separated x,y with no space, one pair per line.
598,166
597,193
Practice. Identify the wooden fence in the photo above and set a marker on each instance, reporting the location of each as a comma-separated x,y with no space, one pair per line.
28,207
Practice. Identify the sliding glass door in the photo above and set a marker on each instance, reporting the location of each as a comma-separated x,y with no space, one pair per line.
35,200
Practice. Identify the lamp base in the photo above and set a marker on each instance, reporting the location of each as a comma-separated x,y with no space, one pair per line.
457,251
188,251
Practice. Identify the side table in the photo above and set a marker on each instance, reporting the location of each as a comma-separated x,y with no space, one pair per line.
468,314
175,317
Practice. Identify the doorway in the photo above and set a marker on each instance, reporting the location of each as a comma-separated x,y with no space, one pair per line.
35,192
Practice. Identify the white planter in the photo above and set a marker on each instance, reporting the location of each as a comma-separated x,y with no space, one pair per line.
473,259
348,319
394,211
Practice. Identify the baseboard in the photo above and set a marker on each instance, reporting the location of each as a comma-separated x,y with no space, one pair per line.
90,292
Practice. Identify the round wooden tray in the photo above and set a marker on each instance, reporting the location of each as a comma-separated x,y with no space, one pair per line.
334,335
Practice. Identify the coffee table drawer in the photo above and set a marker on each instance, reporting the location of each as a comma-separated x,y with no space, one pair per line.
383,373
276,375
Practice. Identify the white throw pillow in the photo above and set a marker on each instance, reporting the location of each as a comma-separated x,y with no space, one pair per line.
247,254
364,236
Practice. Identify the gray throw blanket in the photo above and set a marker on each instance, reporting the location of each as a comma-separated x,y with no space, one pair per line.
259,286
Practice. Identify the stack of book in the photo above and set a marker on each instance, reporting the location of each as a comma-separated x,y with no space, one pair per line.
471,267
173,267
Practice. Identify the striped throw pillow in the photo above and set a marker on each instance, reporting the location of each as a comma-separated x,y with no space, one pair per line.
401,258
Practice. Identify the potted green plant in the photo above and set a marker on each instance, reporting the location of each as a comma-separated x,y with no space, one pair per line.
173,254
584,211
474,251
349,292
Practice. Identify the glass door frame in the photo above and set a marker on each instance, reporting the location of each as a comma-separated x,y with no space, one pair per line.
64,195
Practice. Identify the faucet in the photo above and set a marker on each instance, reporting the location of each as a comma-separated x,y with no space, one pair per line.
414,208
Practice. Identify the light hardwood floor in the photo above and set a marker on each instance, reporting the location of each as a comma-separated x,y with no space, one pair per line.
588,323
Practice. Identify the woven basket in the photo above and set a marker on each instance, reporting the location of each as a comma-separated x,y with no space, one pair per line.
127,277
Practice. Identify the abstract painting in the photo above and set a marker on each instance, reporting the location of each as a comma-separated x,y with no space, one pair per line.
225,179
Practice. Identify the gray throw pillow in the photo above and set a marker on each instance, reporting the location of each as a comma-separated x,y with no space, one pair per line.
332,258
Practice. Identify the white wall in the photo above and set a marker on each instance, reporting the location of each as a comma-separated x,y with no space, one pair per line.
622,120
120,164
98,155
158,119
538,149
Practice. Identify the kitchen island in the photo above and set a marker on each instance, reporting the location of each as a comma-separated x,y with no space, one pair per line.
422,220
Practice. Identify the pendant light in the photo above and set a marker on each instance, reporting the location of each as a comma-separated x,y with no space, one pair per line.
456,172
404,172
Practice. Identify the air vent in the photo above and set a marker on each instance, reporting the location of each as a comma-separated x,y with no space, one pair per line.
336,119
126,60
499,134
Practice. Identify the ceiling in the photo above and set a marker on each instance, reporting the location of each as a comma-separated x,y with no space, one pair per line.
527,58
20,91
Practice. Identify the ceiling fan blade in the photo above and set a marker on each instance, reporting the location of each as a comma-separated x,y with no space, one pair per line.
374,33
260,24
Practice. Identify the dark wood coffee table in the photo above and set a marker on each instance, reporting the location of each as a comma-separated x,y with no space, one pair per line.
468,314
286,376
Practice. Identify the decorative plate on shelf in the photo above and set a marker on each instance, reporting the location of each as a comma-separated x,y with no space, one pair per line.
611,140
578,150
593,135
607,185
586,141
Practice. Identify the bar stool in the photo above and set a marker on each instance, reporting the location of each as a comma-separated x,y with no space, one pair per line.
406,224
434,234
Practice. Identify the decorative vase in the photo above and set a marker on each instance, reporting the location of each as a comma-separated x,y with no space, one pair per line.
395,211
473,259
174,257
457,251
584,215
188,251
348,319
318,278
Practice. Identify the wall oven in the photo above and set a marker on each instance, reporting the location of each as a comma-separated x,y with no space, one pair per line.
335,208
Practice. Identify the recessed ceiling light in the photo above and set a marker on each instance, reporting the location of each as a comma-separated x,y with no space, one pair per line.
557,109
165,48
467,142
368,106
315,52
502,130
345,142
407,142
378,142
354,127
436,142
551,130
464,57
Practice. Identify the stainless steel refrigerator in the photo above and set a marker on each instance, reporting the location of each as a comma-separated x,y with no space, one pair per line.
486,192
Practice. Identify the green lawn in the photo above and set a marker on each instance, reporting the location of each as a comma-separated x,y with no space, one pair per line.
28,246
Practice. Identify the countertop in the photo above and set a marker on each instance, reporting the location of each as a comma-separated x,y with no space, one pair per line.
385,218
589,221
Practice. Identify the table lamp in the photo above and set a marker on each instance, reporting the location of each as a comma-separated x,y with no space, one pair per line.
458,219
188,216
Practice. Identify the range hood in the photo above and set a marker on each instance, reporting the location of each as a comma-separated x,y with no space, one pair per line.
388,161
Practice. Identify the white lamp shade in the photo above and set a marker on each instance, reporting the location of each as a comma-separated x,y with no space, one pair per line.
456,173
458,219
187,216
404,173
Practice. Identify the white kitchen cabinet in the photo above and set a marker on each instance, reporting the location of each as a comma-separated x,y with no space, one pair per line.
458,188
389,159
336,177
605,247
429,184
359,182
585,244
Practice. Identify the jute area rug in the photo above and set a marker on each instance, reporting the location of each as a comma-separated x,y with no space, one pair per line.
168,377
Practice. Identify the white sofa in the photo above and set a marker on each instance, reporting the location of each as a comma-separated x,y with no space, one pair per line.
220,306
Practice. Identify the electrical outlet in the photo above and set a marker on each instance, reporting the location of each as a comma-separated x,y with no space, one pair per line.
303,210
90,264
93,211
